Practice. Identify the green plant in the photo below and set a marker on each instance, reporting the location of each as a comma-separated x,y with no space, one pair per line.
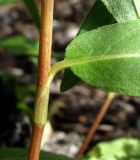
121,149
20,154
103,56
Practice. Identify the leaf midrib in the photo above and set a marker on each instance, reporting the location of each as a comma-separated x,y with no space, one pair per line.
66,63
75,61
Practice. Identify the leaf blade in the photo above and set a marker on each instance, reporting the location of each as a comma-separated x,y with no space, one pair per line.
21,154
119,67
20,46
122,149
122,10
5,2
97,16
31,5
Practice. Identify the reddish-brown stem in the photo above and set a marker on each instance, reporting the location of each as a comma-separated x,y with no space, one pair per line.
35,142
44,61
44,66
95,126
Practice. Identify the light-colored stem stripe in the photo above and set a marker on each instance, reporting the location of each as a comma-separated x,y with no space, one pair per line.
137,6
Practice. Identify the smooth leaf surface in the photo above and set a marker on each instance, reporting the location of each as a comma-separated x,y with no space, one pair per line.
120,149
21,154
122,10
19,45
97,16
108,57
69,80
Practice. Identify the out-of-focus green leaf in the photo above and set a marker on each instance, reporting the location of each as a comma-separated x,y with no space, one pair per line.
23,91
122,10
120,149
21,154
108,57
97,16
20,92
22,106
9,81
19,45
31,5
4,2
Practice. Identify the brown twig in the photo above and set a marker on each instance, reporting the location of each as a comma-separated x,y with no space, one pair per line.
95,125
44,66
34,150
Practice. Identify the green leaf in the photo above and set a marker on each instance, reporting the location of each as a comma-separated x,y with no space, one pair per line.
97,16
4,2
108,57
21,154
22,106
24,91
69,80
122,10
19,45
121,149
31,5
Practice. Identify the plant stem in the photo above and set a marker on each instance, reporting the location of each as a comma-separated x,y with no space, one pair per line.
44,66
95,125
34,150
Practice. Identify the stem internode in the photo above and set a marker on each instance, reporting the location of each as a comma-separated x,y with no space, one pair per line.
44,67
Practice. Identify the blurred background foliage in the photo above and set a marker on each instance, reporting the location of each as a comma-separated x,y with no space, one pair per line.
71,113
120,149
